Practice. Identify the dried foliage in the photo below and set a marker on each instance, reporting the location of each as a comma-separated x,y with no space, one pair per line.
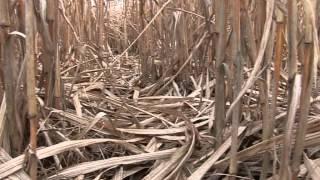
159,89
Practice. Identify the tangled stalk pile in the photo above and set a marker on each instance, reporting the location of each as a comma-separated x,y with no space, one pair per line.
162,89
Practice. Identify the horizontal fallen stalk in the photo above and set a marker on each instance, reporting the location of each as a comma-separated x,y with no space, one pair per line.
16,164
4,157
159,131
88,167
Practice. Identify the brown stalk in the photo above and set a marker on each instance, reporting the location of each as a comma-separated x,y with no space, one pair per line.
248,35
263,84
4,14
259,59
269,118
292,42
286,151
58,88
53,22
237,66
8,78
15,122
63,12
219,73
276,80
305,97
31,84
100,24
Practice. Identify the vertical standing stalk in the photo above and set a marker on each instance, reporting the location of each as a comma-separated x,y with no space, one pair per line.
31,84
4,14
292,43
58,88
269,116
125,28
53,21
276,78
236,55
14,132
45,24
259,59
142,50
304,108
100,28
260,19
219,88
307,73
263,102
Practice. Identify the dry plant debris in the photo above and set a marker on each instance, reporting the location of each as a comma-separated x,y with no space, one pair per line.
159,89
